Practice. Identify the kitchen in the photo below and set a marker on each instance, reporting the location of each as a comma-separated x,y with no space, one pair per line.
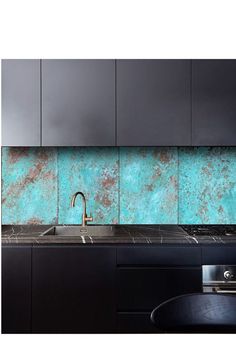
118,193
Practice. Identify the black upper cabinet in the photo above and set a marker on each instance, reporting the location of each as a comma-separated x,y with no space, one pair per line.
20,102
78,102
16,289
153,102
214,102
73,289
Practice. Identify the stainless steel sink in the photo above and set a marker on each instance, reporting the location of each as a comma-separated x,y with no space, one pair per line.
75,231
111,234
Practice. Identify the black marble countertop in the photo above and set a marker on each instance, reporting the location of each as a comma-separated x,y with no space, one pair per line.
121,234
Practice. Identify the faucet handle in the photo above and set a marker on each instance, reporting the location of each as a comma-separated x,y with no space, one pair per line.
88,218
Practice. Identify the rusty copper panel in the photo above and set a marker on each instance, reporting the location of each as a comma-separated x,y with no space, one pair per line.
29,185
122,185
207,185
148,185
93,171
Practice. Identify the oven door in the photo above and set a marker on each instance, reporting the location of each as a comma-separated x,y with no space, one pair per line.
220,279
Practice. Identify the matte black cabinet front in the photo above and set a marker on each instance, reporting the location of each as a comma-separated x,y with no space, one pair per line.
153,102
73,289
144,288
97,289
148,276
214,102
16,289
78,102
20,102
141,289
219,255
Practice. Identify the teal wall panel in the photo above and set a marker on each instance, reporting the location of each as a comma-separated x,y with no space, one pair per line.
207,185
122,185
148,185
93,171
29,185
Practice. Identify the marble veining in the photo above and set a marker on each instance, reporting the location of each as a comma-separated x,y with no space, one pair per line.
123,234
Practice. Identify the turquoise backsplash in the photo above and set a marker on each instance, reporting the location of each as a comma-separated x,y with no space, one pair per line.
122,185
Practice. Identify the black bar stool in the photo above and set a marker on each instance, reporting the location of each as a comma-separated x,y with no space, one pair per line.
196,313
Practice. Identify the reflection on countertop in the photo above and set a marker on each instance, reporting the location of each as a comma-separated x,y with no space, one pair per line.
120,234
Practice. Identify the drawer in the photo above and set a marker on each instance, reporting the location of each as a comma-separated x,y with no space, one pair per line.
219,255
128,322
142,289
160,256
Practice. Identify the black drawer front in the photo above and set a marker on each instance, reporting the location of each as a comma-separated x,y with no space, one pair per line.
142,289
219,255
160,256
128,322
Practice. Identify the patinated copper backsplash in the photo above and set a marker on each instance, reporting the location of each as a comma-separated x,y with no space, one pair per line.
122,185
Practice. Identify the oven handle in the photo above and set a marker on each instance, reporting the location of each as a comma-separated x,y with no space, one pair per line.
224,291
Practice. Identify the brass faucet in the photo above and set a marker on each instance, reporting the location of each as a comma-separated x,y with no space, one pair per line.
85,218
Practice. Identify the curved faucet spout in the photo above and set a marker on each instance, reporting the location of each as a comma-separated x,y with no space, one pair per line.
85,218
74,198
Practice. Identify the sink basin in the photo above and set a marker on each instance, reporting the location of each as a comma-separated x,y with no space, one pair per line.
111,234
89,231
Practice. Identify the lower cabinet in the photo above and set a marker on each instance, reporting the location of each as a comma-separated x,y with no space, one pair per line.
16,289
224,254
73,289
92,289
134,322
146,280
142,289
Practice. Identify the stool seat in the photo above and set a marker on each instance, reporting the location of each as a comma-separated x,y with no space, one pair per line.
197,313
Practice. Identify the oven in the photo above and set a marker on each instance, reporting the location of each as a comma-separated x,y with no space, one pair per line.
219,279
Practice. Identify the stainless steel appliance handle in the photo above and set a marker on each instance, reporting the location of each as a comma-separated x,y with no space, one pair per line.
224,291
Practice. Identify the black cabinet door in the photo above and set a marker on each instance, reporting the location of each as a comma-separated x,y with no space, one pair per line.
78,102
20,102
16,289
135,322
142,289
73,289
153,102
214,102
